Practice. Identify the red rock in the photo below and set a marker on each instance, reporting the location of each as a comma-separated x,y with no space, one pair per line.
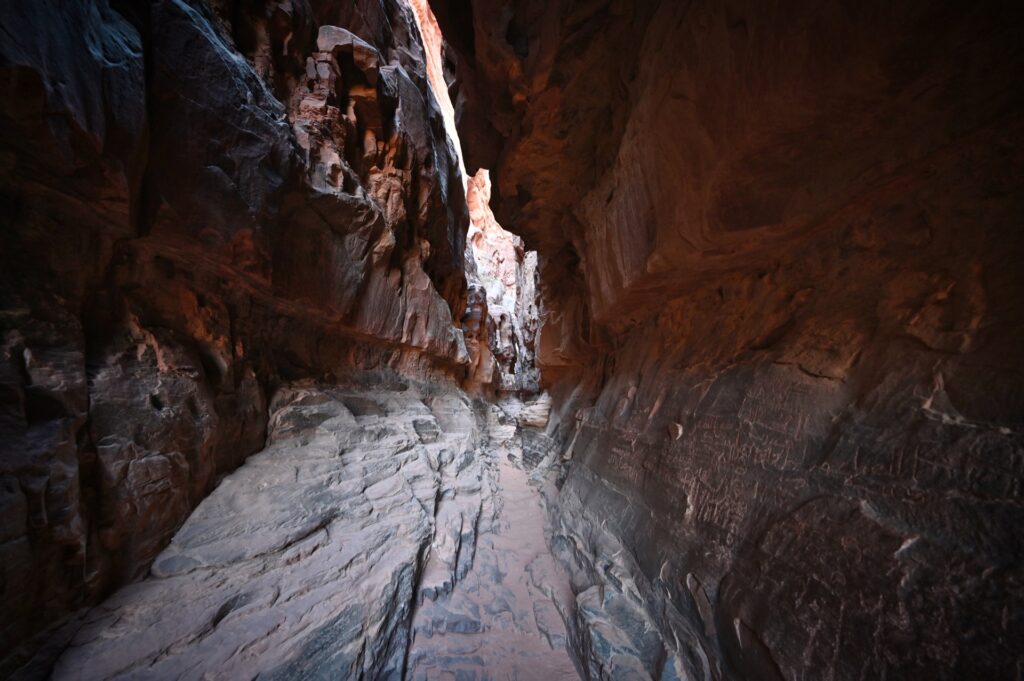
205,200
780,322
773,245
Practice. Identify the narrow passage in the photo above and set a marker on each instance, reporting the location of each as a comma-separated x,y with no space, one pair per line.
501,620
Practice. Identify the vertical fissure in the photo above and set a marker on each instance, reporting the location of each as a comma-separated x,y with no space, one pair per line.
502,317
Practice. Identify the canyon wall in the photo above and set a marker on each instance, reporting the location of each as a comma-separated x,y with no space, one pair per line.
507,276
201,201
781,318
780,261
502,318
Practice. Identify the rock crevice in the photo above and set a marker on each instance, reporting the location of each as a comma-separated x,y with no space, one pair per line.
280,396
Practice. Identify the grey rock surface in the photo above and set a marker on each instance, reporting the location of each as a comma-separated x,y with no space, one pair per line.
383,533
504,618
306,561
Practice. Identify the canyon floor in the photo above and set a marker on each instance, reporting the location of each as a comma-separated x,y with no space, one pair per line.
383,533
504,618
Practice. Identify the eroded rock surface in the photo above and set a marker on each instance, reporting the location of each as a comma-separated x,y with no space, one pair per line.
504,618
780,324
507,273
783,324
384,532
502,315
306,562
202,200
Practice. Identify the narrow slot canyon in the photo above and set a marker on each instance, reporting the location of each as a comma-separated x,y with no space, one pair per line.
509,340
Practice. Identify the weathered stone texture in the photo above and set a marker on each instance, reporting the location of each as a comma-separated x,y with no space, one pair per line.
508,275
201,200
502,316
307,561
781,325
780,256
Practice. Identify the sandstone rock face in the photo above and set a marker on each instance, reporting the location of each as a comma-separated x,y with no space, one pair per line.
783,328
502,316
201,200
508,275
780,334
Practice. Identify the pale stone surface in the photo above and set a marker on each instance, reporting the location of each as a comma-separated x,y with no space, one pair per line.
504,617
508,274
781,330
502,318
306,561
386,532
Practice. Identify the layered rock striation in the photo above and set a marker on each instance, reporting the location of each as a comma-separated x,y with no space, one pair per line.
503,317
779,251
309,560
202,201
780,321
